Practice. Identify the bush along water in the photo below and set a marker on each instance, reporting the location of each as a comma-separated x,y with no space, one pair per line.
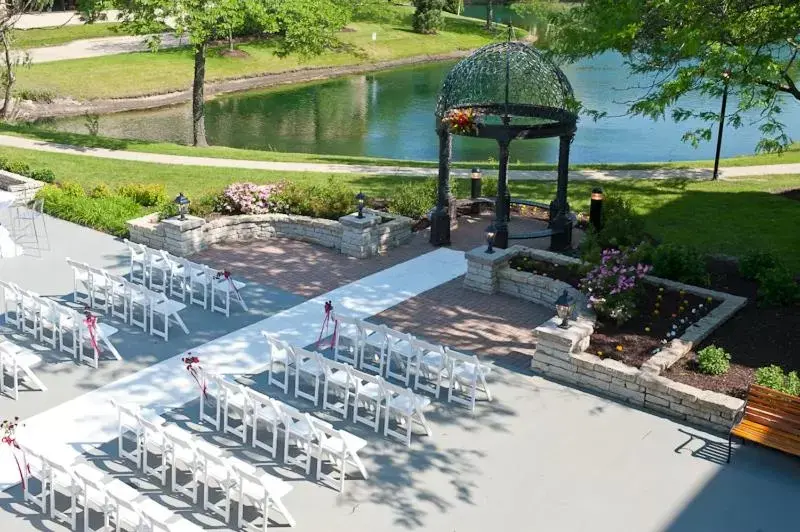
613,287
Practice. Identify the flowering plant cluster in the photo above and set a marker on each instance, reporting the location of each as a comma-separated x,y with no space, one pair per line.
248,198
612,285
8,430
462,121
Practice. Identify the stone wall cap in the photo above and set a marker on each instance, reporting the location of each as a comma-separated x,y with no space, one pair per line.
191,222
480,256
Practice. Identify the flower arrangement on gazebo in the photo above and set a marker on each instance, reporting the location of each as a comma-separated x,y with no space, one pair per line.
462,121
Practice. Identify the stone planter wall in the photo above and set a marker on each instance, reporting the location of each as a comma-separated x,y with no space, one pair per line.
561,353
25,188
376,233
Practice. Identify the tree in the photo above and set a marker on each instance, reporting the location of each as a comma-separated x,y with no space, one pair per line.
10,13
454,6
428,16
687,47
307,27
537,12
489,14
92,10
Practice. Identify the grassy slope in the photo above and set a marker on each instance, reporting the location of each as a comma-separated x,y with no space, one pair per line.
726,216
39,37
138,74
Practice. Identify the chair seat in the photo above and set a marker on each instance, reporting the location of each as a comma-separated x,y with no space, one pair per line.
28,359
468,372
219,474
403,348
432,359
168,306
267,413
224,285
236,400
299,428
183,455
336,445
310,366
340,378
277,488
406,404
369,390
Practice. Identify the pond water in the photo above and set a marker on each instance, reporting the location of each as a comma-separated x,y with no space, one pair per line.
390,114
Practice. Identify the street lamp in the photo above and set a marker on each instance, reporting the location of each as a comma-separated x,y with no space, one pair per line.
490,232
565,304
360,198
183,205
726,77
475,190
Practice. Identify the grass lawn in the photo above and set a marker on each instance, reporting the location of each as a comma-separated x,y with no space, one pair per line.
791,155
729,217
168,70
39,37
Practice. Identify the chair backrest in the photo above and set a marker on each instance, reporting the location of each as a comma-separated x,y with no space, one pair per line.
77,266
90,480
344,319
9,288
373,329
121,502
59,468
230,388
148,426
394,389
210,458
116,279
395,336
427,347
136,249
127,414
261,400
331,366
456,358
179,439
277,346
361,376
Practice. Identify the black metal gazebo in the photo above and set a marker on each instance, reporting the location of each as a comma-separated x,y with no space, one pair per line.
515,93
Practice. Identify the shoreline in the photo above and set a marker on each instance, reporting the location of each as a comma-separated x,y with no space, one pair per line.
66,107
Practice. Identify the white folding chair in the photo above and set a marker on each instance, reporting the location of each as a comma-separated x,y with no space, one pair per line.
94,495
25,216
102,332
167,309
339,383
299,433
101,289
30,313
266,412
153,443
197,276
138,261
119,296
339,448
468,376
81,278
34,466
433,369
64,482
309,366
49,321
228,289
123,511
213,395
129,428
235,405
262,492
374,342
181,456
348,339
369,397
12,303
217,476
139,297
400,350
68,328
280,353
158,270
406,408
18,363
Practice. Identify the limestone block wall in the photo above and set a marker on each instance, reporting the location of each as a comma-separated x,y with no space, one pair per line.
358,237
25,188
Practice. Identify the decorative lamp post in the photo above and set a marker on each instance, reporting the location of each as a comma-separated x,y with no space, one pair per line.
490,234
360,197
565,304
475,191
183,205
726,77
596,209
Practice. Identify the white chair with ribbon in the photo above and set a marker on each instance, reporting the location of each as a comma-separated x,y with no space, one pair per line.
95,334
31,465
226,288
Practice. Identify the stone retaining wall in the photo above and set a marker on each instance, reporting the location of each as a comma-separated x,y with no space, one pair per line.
25,188
374,234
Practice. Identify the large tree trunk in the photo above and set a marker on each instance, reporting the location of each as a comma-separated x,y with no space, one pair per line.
198,96
8,79
489,14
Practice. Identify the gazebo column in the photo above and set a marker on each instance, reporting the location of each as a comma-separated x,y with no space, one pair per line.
502,206
560,220
440,218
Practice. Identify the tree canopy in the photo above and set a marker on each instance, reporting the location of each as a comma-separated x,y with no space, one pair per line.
697,46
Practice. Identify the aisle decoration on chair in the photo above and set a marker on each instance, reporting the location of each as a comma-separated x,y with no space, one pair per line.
194,368
90,321
326,325
226,275
462,121
8,431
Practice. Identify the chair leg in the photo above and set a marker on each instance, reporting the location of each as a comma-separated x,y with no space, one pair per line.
730,436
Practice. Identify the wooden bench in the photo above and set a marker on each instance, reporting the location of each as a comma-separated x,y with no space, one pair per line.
770,418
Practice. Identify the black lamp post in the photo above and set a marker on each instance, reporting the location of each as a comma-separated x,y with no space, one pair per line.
360,198
726,76
490,233
475,190
596,209
183,205
565,304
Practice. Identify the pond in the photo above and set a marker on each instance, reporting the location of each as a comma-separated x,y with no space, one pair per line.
390,114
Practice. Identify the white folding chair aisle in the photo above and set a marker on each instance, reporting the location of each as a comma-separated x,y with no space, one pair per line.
468,376
228,289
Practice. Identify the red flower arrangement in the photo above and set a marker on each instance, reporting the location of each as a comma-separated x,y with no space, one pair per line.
8,436
462,121
193,367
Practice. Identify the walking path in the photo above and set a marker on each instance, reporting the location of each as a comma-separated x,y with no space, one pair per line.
52,19
517,175
83,48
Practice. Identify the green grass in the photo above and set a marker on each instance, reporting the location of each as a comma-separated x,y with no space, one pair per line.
40,37
138,74
732,216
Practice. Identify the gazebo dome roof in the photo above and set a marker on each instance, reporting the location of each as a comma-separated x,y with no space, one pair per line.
509,79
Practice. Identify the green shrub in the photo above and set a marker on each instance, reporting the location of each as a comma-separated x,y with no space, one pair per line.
203,206
19,167
37,95
100,191
622,228
755,263
331,200
144,195
45,175
166,210
71,188
489,187
428,16
104,214
713,360
773,377
413,199
777,287
680,263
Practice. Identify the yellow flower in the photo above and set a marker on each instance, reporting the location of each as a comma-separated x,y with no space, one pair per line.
661,289
709,299
681,308
619,348
655,313
659,296
685,301
599,353
647,329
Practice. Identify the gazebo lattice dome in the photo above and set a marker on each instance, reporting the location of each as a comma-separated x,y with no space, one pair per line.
510,79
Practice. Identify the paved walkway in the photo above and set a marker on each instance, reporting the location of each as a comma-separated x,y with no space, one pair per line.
83,48
52,19
517,175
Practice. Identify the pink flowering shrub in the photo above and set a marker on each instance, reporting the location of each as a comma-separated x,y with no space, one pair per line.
248,198
612,285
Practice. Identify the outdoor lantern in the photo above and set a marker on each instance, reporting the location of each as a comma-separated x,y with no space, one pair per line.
596,209
183,205
360,197
475,191
490,232
565,304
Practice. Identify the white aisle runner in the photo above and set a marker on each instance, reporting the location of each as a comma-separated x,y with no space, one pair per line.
89,420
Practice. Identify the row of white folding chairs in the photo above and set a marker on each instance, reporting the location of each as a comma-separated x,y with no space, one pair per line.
89,489
313,437
18,362
204,462
376,347
55,325
113,293
179,277
368,394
